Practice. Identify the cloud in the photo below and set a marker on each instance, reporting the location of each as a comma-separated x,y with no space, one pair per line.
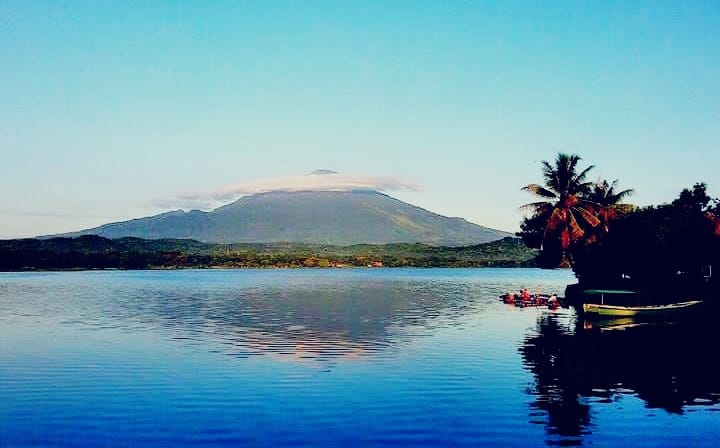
319,180
188,202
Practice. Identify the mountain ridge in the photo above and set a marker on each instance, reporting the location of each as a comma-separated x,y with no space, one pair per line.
324,217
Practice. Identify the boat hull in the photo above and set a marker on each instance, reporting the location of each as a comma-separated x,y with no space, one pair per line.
614,310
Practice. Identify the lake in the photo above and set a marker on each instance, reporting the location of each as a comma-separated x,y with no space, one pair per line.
343,357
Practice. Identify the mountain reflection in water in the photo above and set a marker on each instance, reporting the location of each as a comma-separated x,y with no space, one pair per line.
314,322
320,316
669,365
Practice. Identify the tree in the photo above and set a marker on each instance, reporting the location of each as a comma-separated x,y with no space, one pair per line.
713,215
664,248
607,200
695,199
564,211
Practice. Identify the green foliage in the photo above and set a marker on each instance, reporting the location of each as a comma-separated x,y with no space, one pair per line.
695,199
94,252
563,205
667,247
571,211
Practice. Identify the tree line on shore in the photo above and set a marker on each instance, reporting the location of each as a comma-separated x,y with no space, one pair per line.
668,248
94,252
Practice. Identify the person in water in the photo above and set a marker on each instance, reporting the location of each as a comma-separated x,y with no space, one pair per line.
509,298
553,301
525,295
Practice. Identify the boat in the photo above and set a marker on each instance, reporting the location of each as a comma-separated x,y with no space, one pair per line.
617,310
627,309
532,300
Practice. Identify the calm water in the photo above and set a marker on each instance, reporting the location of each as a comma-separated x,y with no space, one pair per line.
338,358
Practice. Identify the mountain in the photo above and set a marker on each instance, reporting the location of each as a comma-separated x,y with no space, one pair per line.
320,217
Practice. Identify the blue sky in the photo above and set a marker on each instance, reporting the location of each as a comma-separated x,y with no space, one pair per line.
109,108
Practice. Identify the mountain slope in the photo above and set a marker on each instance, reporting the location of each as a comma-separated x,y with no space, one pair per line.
340,218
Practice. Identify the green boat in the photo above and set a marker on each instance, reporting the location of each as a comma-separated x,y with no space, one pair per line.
606,302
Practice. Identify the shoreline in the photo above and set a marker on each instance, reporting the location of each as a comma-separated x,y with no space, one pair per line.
271,268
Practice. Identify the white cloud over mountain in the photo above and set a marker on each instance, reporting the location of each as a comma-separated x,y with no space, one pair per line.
319,180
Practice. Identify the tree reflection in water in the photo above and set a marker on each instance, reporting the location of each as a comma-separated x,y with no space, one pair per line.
669,365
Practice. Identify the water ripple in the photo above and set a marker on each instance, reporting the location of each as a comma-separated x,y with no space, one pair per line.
329,358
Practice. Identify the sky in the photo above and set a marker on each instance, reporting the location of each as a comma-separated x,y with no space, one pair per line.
111,110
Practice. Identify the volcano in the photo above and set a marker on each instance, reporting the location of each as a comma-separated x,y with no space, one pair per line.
317,217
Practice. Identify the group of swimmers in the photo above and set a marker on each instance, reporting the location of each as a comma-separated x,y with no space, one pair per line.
524,298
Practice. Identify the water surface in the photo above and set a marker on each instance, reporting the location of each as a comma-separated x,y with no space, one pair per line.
354,357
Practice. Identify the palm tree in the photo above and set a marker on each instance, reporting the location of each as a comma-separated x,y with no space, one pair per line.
607,201
564,200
